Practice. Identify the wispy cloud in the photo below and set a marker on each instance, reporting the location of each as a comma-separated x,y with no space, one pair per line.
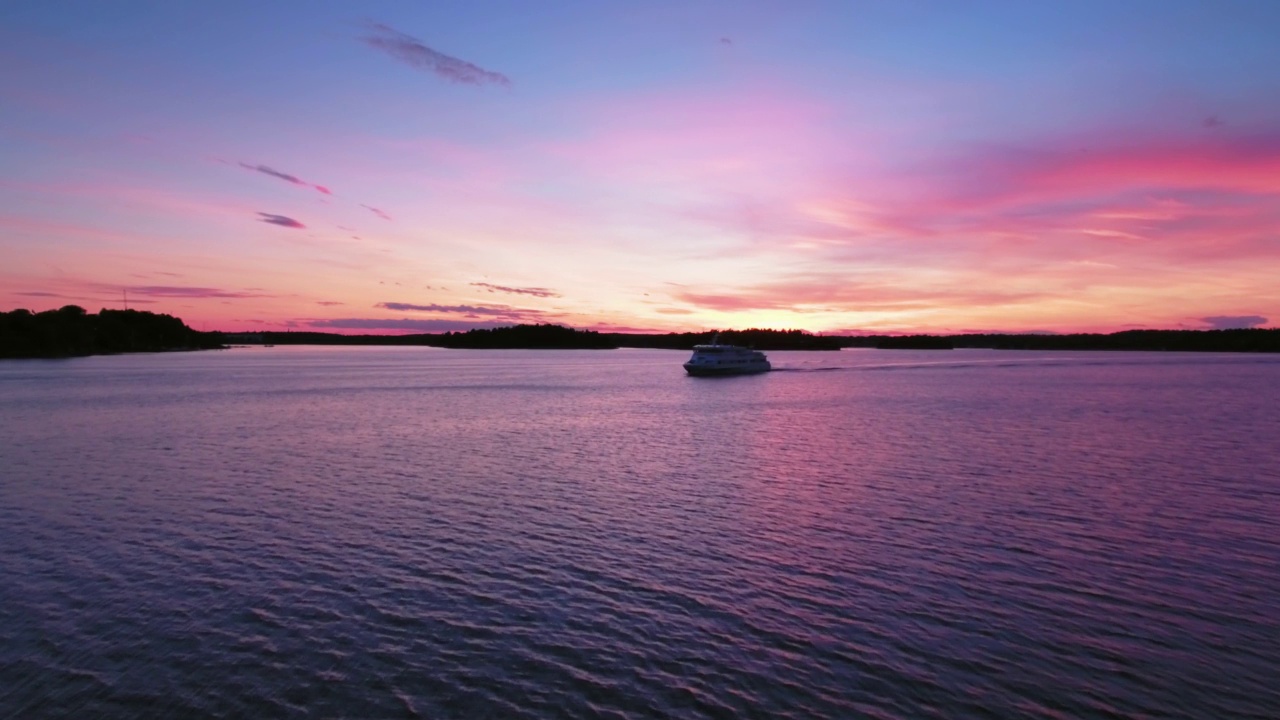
410,51
1233,322
281,220
171,291
475,311
376,211
329,303
407,324
148,276
534,291
998,178
292,179
39,293
810,293
1107,197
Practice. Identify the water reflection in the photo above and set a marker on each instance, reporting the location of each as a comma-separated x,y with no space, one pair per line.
366,531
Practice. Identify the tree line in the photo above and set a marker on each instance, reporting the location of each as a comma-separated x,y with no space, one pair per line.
1241,340
71,331
557,337
758,338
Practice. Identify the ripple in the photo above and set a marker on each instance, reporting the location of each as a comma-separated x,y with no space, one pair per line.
406,534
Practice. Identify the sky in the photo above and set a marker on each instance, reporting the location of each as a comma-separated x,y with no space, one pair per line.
838,167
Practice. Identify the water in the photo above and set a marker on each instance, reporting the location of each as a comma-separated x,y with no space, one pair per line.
408,532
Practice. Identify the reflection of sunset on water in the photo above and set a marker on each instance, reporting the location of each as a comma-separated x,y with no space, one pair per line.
353,531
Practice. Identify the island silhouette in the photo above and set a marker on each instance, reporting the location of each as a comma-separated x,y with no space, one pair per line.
554,337
70,331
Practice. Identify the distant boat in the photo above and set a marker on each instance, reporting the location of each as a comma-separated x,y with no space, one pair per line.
718,359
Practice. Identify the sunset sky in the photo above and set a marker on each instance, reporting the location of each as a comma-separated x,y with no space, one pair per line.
843,166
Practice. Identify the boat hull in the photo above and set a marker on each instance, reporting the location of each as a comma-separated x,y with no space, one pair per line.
713,371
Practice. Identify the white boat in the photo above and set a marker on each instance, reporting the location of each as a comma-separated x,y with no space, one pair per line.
718,359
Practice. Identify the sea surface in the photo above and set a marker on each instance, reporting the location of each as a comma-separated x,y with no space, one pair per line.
414,532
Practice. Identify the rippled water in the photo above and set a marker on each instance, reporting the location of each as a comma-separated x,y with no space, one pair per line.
368,532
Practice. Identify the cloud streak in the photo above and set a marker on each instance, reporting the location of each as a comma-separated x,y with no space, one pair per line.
410,51
829,293
471,311
291,179
533,291
407,324
281,220
376,211
1233,322
171,291
1009,177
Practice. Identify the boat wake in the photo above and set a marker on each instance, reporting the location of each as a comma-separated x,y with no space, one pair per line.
1039,362
1100,359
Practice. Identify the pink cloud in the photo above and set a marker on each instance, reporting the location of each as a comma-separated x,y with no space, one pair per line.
170,291
403,325
376,211
93,294
472,311
1214,198
1003,177
834,293
534,291
291,179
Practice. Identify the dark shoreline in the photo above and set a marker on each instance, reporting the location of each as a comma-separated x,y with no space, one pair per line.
71,332
1237,340
552,337
1243,340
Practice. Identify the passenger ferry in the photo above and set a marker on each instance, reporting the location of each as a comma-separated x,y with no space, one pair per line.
717,359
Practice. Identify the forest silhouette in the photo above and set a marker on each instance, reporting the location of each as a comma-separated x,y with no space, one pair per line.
71,331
